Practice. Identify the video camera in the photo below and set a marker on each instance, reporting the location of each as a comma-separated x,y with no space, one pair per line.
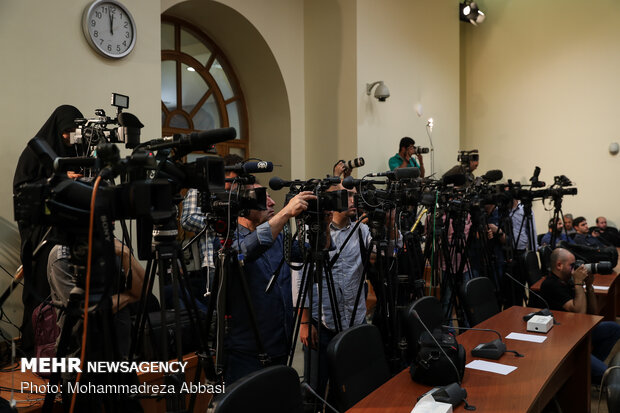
326,201
93,131
464,157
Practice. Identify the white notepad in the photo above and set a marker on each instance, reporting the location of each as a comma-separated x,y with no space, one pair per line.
534,338
491,367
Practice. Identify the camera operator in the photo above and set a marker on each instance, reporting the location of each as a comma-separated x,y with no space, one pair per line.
347,272
56,132
469,161
193,219
404,158
61,276
260,241
569,288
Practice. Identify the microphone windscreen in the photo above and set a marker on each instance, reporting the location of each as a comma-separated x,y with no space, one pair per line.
349,182
403,173
493,175
257,166
276,183
204,140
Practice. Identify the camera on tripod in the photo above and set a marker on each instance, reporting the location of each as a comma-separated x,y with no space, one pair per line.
93,131
464,157
326,201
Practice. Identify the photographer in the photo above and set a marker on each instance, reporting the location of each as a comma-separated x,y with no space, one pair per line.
262,246
569,288
404,158
56,132
347,272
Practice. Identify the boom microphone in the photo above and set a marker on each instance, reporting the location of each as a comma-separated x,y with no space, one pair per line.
252,167
195,141
493,175
349,182
400,173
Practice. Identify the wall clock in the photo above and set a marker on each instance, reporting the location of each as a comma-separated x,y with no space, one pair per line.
109,28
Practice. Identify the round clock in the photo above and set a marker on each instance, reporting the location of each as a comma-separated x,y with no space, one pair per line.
109,28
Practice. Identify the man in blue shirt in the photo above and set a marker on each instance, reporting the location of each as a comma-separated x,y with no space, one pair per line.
559,234
261,246
404,158
583,237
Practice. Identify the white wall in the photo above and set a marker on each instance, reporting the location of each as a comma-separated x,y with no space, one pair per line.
414,47
541,88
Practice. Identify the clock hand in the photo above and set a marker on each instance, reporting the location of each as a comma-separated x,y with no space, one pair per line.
111,23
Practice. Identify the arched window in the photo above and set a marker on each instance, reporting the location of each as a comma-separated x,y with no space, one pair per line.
199,90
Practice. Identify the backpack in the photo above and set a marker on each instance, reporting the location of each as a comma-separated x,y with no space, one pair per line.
431,366
46,331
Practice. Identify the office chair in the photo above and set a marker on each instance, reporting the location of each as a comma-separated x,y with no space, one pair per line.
357,365
275,389
430,311
480,300
532,267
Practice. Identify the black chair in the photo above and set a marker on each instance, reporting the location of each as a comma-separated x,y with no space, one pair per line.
430,311
357,365
273,389
613,386
480,300
532,267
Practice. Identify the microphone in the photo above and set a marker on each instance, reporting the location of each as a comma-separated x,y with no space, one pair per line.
400,173
454,393
306,386
544,312
454,179
493,175
252,167
195,141
277,183
492,350
349,182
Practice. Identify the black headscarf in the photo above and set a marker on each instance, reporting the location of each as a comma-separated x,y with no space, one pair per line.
29,168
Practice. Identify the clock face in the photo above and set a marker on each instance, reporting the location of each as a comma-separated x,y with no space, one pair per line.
109,28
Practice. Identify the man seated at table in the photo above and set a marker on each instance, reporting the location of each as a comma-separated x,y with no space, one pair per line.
568,288
560,235
607,234
583,237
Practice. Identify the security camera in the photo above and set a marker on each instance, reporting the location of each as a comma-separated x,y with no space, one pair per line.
381,92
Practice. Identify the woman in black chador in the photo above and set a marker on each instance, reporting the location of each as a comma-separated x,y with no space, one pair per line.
29,169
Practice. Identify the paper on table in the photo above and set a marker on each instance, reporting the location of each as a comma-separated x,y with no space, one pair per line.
428,405
600,287
534,338
491,367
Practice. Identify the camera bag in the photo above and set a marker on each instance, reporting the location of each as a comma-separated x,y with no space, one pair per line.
431,367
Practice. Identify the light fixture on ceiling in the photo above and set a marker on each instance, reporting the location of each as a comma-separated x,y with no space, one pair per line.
469,12
381,92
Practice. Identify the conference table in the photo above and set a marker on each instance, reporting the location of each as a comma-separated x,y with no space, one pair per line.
606,291
558,366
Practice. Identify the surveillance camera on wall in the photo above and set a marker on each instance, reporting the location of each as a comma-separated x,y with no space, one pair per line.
381,92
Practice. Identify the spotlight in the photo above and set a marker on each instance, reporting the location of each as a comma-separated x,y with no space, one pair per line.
469,12
381,92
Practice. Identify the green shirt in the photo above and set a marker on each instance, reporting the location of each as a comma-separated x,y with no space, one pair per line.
396,161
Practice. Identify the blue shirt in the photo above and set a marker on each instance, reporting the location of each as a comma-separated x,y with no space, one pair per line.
347,274
546,239
274,309
520,229
396,161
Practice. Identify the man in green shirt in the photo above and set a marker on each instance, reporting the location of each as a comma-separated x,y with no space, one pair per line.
405,159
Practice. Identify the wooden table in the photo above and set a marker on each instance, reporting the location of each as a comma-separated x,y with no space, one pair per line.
607,294
560,365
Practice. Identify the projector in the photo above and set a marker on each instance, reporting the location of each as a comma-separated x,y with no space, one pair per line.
540,323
